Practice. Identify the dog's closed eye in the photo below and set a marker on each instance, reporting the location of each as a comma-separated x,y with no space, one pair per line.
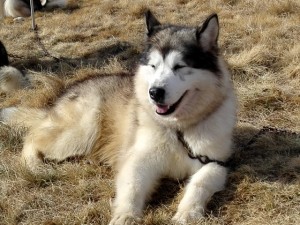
177,67
153,66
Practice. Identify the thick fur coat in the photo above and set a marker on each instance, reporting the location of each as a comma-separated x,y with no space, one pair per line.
21,8
181,86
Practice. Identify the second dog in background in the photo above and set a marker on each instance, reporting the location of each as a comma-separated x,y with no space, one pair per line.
11,78
21,8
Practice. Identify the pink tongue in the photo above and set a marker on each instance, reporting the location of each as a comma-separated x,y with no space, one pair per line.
162,108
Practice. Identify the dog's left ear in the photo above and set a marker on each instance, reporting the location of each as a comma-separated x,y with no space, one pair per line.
207,34
151,22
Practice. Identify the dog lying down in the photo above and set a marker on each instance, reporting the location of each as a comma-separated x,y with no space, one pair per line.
21,8
174,118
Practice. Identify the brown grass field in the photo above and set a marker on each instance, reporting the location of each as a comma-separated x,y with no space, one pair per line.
260,41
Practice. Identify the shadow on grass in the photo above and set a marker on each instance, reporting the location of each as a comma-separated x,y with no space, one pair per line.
124,52
269,157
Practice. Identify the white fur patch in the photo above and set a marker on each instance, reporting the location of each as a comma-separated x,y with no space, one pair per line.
11,79
6,114
16,8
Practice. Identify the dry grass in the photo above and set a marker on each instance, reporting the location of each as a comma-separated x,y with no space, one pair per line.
260,40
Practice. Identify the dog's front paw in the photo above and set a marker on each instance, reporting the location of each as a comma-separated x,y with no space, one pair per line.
191,215
124,219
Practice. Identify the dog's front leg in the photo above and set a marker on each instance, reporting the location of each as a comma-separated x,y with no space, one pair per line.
135,182
209,179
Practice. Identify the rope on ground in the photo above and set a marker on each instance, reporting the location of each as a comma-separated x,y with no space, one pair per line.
37,38
42,46
268,129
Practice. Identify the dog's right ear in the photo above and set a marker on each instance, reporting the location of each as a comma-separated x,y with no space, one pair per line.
3,56
151,22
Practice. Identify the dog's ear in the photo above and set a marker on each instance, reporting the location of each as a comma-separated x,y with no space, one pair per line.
151,22
207,34
3,56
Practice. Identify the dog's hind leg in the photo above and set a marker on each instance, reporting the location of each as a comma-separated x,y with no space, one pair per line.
68,130
57,142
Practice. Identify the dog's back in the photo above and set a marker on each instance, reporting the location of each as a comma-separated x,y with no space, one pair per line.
90,115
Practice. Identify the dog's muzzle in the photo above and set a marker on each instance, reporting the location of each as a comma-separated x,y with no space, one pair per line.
157,94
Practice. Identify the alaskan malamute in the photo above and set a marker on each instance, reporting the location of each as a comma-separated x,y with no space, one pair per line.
174,119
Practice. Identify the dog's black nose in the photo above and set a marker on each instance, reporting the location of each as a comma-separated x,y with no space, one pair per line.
157,94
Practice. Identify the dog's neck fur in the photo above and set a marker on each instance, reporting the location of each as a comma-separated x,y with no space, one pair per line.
203,115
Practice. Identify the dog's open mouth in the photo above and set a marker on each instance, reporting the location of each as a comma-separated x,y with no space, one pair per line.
165,110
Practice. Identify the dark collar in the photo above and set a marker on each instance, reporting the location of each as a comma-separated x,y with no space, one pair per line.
202,158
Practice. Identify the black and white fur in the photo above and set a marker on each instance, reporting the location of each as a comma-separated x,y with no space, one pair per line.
189,90
181,86
11,78
21,8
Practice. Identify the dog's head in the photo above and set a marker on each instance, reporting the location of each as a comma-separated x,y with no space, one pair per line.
181,77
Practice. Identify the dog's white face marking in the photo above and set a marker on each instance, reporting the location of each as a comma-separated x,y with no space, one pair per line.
172,62
186,88
167,72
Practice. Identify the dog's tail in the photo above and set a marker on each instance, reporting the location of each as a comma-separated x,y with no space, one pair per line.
22,117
